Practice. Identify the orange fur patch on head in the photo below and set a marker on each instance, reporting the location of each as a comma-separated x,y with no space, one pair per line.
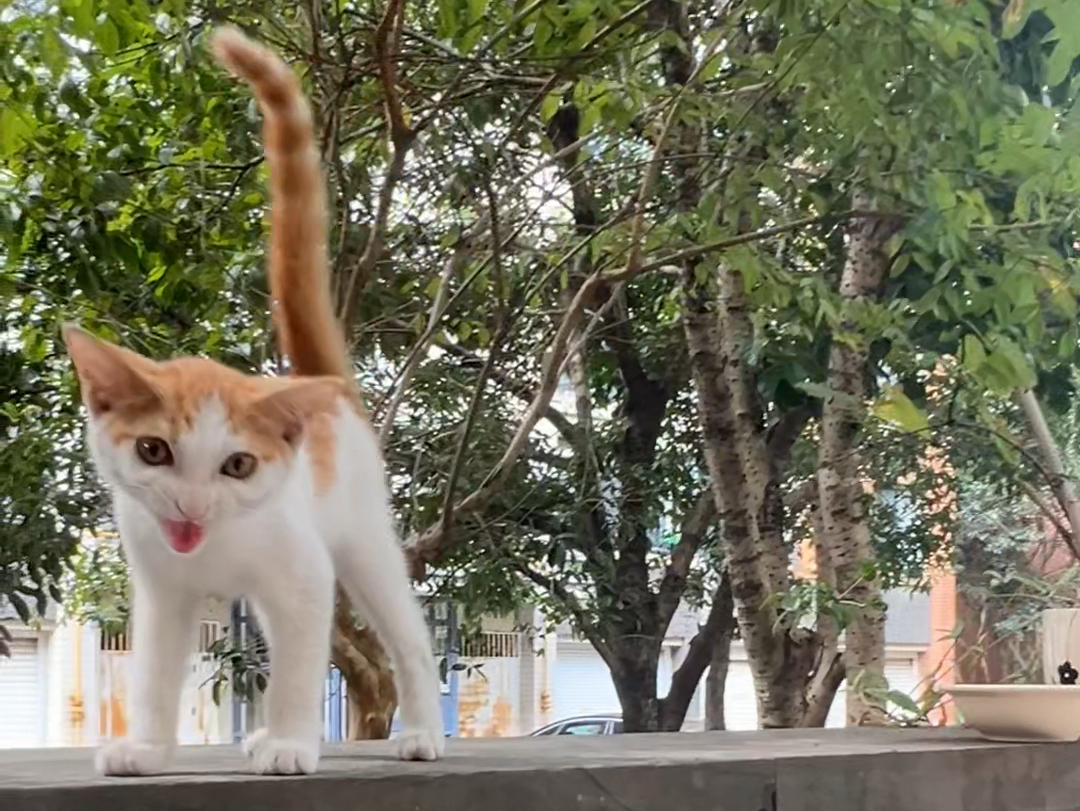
132,396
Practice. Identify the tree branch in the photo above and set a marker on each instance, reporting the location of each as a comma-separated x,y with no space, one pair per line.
1060,482
519,388
822,690
785,432
571,603
675,258
692,534
386,40
439,305
684,681
401,139
1054,518
428,545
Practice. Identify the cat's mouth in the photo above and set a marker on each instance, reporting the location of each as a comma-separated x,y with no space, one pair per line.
184,536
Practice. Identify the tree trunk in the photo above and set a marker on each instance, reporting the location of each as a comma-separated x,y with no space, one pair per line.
634,674
846,535
365,667
735,451
830,671
715,683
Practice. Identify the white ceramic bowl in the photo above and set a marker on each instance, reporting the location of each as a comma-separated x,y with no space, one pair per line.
1020,712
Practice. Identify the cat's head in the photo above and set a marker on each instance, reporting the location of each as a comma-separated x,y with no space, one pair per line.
194,442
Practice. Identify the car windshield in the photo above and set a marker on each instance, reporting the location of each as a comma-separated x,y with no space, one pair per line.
585,728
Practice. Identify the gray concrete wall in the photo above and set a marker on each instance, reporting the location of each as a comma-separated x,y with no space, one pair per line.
807,770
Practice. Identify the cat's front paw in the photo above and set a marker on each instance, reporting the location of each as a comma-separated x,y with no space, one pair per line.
421,744
281,755
129,758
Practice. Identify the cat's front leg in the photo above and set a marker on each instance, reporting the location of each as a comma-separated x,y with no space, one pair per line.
295,600
163,627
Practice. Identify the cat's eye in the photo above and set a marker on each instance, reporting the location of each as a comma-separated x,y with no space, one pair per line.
239,466
153,451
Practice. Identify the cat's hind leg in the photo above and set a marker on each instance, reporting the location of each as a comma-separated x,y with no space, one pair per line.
371,568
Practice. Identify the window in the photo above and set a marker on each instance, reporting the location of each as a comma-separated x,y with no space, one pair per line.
549,731
584,728
616,727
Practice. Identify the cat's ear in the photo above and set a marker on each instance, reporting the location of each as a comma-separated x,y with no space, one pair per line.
285,410
110,378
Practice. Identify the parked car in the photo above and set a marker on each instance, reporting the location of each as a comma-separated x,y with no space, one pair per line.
583,725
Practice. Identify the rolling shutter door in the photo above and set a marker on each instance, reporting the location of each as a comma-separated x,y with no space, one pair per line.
740,700
903,677
20,696
583,683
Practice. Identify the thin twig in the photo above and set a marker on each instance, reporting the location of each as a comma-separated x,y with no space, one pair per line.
401,139
438,308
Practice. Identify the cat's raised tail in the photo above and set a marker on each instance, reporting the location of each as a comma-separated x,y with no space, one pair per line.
299,264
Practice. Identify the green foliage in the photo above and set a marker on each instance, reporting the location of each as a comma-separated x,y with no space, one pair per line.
1009,569
242,667
98,589
132,199
128,203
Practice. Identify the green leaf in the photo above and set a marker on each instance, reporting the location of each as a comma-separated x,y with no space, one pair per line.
550,105
20,606
903,701
943,194
15,130
1057,67
1016,16
477,9
1067,344
82,15
586,34
1009,364
974,354
895,407
107,38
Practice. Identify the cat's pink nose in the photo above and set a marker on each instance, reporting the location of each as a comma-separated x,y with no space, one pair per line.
192,510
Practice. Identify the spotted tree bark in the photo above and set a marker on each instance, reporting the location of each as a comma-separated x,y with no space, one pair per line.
845,534
744,469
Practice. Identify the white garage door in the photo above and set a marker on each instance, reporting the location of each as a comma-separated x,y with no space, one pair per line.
583,683
740,700
903,676
20,696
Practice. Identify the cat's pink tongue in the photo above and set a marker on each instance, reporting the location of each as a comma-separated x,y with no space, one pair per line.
184,535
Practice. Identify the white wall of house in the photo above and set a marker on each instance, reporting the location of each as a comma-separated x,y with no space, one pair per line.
67,685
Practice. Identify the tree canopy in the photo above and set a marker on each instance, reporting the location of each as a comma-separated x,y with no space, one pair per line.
642,294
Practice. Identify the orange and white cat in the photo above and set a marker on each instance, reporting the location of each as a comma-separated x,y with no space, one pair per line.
268,488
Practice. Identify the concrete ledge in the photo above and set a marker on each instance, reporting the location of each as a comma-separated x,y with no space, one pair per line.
790,770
